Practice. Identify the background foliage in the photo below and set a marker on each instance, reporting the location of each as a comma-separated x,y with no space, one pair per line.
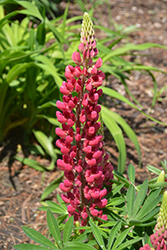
36,45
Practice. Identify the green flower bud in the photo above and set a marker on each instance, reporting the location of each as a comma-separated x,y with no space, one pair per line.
162,217
87,31
161,177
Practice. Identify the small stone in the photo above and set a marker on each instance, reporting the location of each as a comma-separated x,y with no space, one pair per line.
157,25
134,8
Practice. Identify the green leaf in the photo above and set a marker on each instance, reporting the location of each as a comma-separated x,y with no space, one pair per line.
150,215
52,186
41,33
154,169
54,228
140,198
157,185
131,173
38,237
113,232
16,70
116,189
121,178
129,47
130,197
117,135
97,234
68,229
58,210
77,246
50,119
129,243
147,207
30,247
130,133
121,238
31,163
45,143
118,96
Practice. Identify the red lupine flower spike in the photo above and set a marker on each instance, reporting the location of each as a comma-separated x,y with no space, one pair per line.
84,162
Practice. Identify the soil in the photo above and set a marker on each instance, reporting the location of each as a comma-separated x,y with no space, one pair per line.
21,186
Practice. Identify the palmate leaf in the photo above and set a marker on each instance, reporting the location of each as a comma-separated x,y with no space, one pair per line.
38,237
117,135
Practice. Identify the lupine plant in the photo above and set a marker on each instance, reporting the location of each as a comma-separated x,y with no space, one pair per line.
105,210
85,163
159,237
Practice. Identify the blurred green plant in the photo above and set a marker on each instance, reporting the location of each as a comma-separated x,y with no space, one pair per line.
32,66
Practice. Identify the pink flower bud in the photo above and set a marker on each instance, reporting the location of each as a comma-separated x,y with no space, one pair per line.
64,90
61,164
103,193
65,198
97,154
91,162
90,179
94,71
71,209
95,195
81,47
85,103
68,167
98,63
67,183
64,150
94,212
104,217
98,174
78,137
61,105
60,117
102,203
82,119
84,215
91,130
60,132
77,72
87,149
78,87
79,169
63,188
